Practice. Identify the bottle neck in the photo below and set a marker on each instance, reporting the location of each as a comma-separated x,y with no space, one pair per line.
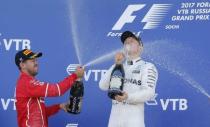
79,79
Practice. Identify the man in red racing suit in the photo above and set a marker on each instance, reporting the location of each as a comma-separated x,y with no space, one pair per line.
30,93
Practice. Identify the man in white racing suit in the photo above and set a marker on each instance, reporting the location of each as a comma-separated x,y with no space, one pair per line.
139,84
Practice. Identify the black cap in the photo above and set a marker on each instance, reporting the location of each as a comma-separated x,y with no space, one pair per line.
25,54
127,34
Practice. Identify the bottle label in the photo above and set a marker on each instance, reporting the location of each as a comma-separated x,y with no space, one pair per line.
75,105
115,82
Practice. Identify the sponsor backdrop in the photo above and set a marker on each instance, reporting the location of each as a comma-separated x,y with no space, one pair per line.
69,32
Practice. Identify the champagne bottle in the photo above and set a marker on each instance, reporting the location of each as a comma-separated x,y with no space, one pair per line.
116,81
75,98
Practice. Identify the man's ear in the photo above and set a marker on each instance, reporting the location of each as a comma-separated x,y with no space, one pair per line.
141,48
22,65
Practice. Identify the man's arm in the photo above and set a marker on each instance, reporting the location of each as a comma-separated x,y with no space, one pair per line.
51,110
35,88
147,91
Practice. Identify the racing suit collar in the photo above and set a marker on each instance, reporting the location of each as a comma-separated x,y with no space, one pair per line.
131,62
26,75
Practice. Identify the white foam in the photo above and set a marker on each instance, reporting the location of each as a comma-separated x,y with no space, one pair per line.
74,29
102,58
155,52
168,56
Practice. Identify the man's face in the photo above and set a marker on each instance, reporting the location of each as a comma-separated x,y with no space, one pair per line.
132,47
31,66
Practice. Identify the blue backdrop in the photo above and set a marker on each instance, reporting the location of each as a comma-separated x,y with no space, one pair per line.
175,36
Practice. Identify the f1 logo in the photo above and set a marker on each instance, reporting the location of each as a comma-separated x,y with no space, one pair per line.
153,17
127,16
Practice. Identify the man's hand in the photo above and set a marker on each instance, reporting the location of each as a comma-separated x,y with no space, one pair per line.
121,98
79,72
63,106
119,57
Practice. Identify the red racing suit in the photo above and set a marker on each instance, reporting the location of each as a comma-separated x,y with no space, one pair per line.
30,93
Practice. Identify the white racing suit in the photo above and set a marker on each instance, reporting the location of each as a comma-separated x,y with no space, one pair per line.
139,84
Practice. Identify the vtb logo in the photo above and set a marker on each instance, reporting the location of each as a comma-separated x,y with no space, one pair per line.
174,104
71,68
153,100
89,74
152,19
18,44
